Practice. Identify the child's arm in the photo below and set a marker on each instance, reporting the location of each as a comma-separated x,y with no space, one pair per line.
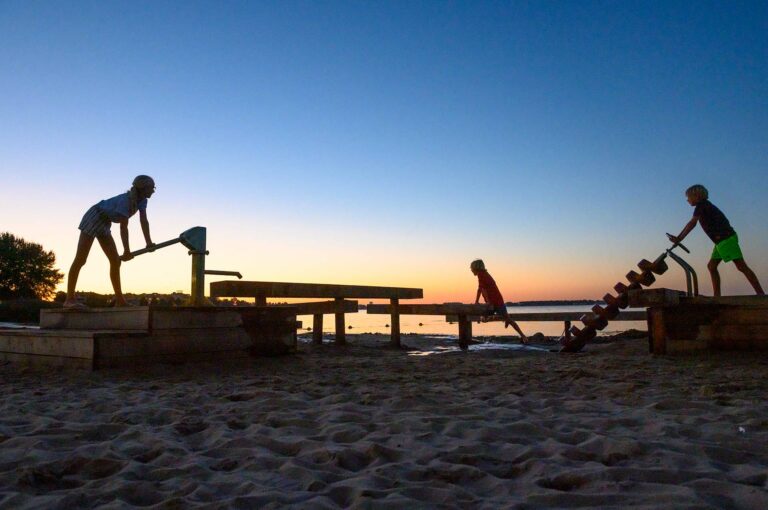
686,230
477,298
145,229
124,237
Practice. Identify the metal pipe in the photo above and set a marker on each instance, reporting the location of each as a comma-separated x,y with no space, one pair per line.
224,273
155,247
691,280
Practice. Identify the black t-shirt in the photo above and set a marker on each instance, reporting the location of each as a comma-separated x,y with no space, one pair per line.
713,221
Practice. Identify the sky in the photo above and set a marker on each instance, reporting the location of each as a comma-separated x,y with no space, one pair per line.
392,142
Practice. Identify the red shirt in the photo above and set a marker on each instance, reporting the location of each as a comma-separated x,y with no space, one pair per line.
488,288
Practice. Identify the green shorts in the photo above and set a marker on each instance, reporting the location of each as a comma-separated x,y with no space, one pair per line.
728,249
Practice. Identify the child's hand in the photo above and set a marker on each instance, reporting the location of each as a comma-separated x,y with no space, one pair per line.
126,256
672,238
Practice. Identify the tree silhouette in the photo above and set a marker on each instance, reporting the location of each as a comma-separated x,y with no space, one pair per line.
26,269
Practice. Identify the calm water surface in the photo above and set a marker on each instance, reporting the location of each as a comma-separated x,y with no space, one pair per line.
362,322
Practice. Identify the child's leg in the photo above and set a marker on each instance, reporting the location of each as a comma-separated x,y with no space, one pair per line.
510,322
83,248
742,266
712,266
108,245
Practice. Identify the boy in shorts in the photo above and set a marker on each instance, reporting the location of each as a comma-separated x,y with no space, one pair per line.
718,228
490,291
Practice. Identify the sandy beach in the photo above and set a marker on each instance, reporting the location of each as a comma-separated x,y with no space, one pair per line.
368,426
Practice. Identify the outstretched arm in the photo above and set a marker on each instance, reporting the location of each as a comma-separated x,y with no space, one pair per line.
145,228
477,298
686,230
124,237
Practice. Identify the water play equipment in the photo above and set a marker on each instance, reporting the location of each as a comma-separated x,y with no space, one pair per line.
574,338
193,239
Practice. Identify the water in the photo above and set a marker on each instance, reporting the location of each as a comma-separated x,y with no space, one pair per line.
362,322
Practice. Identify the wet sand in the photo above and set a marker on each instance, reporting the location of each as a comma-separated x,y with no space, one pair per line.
368,426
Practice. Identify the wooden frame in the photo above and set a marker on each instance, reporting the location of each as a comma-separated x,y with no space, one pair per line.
340,305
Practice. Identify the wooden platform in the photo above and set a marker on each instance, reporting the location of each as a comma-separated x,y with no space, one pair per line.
114,337
680,324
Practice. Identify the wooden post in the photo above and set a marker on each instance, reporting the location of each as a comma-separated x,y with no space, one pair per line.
465,332
395,322
317,328
341,338
261,300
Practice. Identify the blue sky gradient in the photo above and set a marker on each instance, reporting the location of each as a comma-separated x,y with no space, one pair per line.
390,142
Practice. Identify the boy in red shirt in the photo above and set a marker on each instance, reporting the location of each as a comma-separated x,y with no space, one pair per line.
490,291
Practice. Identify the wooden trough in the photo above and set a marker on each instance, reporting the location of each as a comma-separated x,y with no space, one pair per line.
134,336
465,314
340,305
680,324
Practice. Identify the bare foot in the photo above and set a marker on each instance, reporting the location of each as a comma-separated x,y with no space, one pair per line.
524,340
73,305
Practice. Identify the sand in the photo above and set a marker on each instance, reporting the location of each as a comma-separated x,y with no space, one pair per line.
367,426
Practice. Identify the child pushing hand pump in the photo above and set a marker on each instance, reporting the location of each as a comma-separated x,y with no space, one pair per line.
719,230
490,291
96,225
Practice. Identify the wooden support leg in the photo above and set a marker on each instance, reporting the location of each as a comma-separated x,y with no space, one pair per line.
395,320
341,337
465,332
261,301
317,328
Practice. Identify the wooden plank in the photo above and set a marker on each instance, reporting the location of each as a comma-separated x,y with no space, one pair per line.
35,360
668,297
756,301
431,309
171,342
643,298
79,345
549,317
188,317
323,307
742,315
121,318
233,288
564,316
753,332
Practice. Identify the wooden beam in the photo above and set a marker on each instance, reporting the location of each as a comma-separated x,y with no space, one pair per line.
237,288
465,332
317,329
750,301
431,309
323,307
669,297
561,316
394,306
643,298
341,335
